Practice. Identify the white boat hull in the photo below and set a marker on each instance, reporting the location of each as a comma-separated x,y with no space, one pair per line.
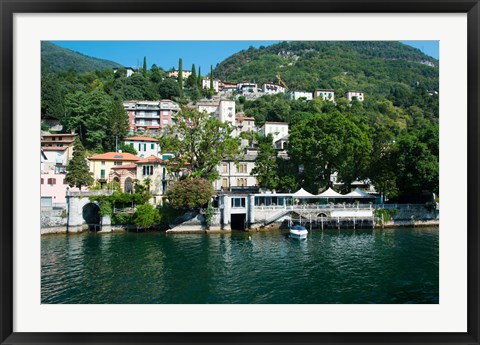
298,233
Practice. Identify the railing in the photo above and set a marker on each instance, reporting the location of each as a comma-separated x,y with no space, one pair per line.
399,206
90,192
315,207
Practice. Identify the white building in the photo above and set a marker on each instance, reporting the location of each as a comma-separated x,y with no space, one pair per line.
325,94
278,130
129,71
350,95
271,88
235,176
301,94
174,74
226,112
247,88
216,84
145,146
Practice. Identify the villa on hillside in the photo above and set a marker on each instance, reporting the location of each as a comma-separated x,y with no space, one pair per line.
145,146
353,94
101,164
325,94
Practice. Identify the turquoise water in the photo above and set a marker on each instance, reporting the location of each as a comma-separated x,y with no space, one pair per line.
398,265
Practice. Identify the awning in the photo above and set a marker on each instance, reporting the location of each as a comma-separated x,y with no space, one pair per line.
357,193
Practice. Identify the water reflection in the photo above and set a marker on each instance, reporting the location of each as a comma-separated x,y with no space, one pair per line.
331,266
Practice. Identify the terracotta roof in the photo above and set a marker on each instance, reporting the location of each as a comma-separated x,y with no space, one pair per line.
248,118
137,138
125,166
151,159
115,156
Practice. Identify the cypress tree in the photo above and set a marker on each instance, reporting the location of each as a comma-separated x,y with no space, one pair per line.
180,76
199,78
194,73
211,77
144,65
78,173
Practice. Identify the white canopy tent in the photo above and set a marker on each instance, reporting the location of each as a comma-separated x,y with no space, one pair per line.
330,193
357,193
302,193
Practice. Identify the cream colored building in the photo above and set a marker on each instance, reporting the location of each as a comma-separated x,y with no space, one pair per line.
325,94
101,164
350,95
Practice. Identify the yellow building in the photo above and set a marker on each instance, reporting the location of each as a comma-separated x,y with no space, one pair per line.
101,164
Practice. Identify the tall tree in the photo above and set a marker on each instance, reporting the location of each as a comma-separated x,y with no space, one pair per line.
144,69
328,143
78,173
87,114
211,77
199,78
118,126
200,142
192,78
266,167
180,76
52,98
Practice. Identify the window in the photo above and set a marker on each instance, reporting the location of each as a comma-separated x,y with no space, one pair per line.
238,202
241,182
131,145
103,162
224,168
225,183
148,170
139,147
41,181
152,146
242,168
117,163
65,181
102,173
52,181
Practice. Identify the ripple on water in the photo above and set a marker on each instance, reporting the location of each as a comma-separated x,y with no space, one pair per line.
363,266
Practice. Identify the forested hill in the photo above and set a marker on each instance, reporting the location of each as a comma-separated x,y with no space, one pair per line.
371,66
56,59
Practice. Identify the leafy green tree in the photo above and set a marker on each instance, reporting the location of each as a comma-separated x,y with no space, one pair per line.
190,193
200,142
416,166
87,114
325,143
266,166
52,98
78,173
118,126
169,89
146,216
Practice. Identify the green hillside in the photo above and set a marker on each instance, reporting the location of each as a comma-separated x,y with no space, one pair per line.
56,59
371,66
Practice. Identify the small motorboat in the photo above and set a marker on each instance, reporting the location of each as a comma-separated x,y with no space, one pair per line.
298,231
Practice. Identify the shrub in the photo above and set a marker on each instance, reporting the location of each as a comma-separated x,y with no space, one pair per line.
190,193
122,218
146,216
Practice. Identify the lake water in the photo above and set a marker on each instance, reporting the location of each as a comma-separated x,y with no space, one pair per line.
397,265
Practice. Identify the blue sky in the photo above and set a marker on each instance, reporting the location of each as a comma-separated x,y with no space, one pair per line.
165,54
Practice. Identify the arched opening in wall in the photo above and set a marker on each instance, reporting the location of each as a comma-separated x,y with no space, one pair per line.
91,216
322,215
128,186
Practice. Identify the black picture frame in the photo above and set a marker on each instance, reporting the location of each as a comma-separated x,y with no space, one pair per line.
10,7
